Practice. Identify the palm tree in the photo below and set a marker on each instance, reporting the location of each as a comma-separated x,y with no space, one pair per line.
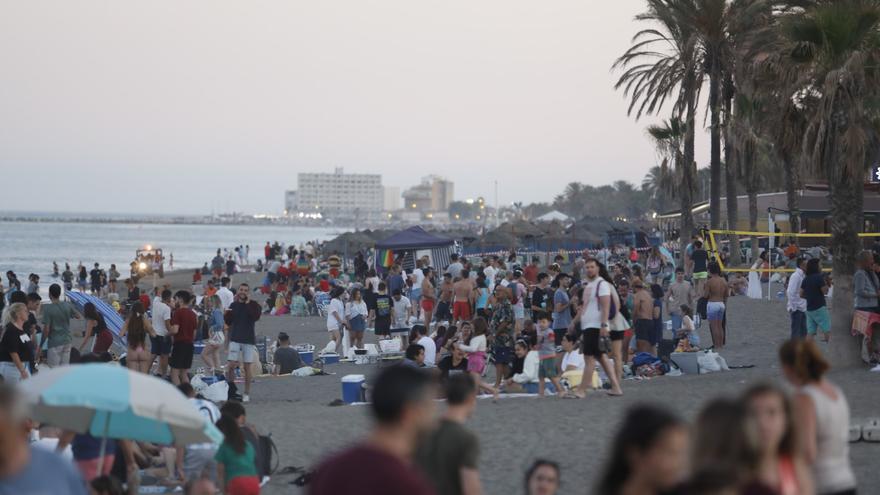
662,64
831,51
676,174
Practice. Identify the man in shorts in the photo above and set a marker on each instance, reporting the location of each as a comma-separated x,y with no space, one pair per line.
183,331
160,345
716,292
699,263
593,319
381,314
463,293
444,303
242,317
643,317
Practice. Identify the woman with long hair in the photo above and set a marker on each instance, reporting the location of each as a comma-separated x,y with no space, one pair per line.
16,351
216,334
648,454
726,452
336,323
619,325
481,297
96,327
782,468
356,313
137,327
542,478
821,413
236,470
475,347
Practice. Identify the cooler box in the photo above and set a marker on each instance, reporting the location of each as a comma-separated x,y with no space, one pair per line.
352,388
198,348
306,352
687,361
330,358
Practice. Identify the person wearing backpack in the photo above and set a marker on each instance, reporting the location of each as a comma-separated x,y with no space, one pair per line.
593,319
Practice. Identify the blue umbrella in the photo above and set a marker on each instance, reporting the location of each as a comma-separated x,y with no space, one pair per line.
110,401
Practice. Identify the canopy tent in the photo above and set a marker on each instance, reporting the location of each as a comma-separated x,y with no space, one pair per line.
405,246
553,216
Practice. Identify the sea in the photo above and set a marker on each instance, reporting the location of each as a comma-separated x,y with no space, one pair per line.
31,246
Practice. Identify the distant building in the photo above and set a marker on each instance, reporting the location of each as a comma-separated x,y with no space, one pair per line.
340,196
433,194
392,198
291,206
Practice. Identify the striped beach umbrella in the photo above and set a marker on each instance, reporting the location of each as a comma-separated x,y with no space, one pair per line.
110,401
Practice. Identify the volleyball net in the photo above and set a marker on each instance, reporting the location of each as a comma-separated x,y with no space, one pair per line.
782,248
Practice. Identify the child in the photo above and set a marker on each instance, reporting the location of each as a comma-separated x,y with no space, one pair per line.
547,355
688,330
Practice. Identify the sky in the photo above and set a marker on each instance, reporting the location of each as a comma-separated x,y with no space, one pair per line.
190,107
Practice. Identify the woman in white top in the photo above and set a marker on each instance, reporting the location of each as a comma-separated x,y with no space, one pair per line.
336,317
822,417
356,315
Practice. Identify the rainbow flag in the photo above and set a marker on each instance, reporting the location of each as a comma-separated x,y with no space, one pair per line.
386,258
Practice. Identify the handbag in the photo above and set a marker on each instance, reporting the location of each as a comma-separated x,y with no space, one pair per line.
618,323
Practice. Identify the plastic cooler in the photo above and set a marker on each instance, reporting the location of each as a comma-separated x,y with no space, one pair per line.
306,352
330,358
352,388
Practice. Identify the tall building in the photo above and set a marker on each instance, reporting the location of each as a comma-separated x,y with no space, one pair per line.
339,195
392,198
434,193
291,205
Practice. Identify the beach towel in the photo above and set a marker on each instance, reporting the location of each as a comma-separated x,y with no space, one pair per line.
112,318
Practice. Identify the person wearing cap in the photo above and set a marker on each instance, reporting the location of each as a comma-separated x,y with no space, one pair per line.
286,358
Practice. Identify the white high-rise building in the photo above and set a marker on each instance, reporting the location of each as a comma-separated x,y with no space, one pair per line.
340,195
392,198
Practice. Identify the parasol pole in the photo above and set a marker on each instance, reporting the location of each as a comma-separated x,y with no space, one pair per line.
103,450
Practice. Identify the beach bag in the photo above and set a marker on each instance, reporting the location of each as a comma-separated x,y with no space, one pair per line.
710,362
643,358
268,455
216,392
612,308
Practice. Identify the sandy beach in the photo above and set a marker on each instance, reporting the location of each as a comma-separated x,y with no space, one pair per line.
305,428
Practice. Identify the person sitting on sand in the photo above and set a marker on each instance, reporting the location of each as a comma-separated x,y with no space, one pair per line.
531,365
286,358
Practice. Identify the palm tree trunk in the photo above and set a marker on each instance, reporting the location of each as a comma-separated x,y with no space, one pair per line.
731,201
715,143
792,183
753,208
686,195
846,198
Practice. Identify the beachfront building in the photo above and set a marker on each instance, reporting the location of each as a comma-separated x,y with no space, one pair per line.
291,205
339,196
434,194
392,198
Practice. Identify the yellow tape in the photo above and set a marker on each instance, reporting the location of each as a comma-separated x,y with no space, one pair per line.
714,249
785,234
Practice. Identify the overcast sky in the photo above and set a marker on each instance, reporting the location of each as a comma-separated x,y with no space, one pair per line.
181,107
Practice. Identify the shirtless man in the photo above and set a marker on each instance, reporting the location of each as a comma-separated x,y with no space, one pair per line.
463,295
429,296
643,317
716,292
444,305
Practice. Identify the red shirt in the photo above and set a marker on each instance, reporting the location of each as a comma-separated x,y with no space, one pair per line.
531,274
366,470
186,319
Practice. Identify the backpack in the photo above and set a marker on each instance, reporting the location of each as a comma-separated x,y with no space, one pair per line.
612,308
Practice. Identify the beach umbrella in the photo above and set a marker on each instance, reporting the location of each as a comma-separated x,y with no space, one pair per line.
110,401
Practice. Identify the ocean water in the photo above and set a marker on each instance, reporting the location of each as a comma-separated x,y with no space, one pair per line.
31,247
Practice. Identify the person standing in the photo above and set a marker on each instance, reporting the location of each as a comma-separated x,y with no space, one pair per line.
531,271
183,330
383,312
160,344
866,285
822,415
241,318
96,327
715,292
643,316
403,407
680,292
548,368
462,302
136,328
797,305
226,296
336,322
429,297
95,279
539,296
16,351
561,308
699,266
593,319
444,302
356,314
813,289
450,453
56,327
455,268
